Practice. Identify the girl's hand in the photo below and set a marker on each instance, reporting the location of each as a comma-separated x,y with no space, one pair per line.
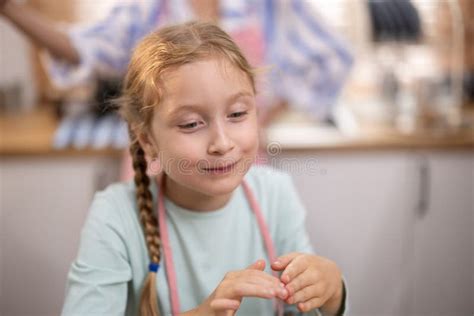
250,282
312,281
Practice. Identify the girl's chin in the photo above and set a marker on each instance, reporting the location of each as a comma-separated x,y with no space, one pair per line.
220,186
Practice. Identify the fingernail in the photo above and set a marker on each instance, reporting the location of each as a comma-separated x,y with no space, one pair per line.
277,262
283,293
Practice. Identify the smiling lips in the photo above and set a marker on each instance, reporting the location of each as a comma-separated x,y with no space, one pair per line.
220,170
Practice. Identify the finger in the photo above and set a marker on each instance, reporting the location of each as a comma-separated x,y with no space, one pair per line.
278,287
266,280
252,276
221,304
297,266
308,277
257,265
311,304
307,293
244,289
281,262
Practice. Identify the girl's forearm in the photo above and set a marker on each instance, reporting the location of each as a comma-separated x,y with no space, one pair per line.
41,30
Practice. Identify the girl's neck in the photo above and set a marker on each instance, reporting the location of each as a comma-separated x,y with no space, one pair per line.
192,200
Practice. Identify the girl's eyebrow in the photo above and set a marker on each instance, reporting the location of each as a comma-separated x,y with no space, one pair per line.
196,107
237,96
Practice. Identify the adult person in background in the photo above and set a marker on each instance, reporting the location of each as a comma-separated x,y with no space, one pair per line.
307,63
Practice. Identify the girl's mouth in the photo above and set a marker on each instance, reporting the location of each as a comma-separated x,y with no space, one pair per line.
221,169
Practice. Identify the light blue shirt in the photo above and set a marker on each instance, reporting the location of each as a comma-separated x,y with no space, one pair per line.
107,276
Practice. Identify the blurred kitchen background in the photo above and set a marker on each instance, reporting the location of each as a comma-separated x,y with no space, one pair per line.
388,179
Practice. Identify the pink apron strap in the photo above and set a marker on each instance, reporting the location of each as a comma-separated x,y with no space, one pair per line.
267,239
265,234
167,253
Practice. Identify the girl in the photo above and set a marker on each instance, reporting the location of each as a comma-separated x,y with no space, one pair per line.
196,239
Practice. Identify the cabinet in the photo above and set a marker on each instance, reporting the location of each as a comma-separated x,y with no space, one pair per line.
398,223
443,270
44,201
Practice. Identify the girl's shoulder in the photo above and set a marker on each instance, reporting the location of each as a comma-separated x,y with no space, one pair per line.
115,204
118,192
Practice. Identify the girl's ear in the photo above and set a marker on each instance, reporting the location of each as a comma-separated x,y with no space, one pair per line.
147,144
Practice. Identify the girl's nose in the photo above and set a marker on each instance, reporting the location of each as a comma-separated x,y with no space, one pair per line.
220,142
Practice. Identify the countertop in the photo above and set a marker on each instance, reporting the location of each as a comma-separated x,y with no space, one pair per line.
296,132
32,134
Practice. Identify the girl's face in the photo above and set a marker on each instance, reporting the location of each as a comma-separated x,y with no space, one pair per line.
205,129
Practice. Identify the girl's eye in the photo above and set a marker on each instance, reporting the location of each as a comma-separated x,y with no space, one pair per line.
238,114
191,125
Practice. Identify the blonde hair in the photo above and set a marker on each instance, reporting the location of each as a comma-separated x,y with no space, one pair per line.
158,52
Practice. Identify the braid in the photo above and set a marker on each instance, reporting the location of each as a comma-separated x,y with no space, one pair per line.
148,300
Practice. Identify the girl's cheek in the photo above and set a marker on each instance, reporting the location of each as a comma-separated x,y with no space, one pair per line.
249,136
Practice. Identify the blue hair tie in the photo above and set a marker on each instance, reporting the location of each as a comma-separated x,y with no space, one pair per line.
153,267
